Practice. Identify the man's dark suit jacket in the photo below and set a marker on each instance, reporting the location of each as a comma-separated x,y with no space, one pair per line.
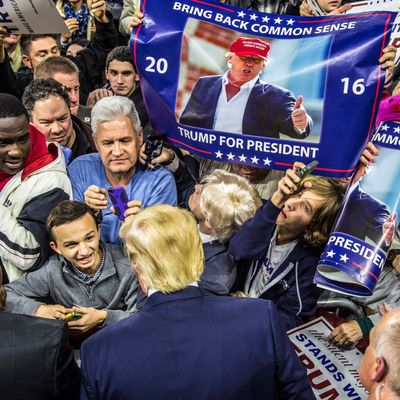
194,345
268,110
36,362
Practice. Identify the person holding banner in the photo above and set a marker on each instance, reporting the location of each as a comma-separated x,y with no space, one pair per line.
364,216
284,241
239,102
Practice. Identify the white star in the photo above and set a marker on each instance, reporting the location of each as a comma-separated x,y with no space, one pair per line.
397,130
265,19
344,258
254,160
218,154
290,21
267,161
241,14
330,253
242,158
277,20
385,127
253,17
231,156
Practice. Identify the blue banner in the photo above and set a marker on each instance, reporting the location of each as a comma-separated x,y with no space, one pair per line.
187,51
356,251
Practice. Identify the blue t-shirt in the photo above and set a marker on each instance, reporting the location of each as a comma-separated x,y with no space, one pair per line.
150,186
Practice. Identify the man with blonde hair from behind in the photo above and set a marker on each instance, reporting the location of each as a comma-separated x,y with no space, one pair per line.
186,343
380,367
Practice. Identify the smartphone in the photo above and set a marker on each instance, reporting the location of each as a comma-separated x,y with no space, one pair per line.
72,316
153,146
119,200
303,173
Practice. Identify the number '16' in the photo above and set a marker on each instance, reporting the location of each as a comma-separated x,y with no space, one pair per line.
161,65
357,87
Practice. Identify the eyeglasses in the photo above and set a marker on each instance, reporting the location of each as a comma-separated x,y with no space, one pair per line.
253,60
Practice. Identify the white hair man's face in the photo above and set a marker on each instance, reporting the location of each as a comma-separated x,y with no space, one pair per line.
118,145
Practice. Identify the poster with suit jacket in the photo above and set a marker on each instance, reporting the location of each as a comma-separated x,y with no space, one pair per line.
357,247
264,90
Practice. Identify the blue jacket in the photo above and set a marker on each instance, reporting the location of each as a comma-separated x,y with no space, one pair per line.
268,110
150,186
291,285
219,270
192,345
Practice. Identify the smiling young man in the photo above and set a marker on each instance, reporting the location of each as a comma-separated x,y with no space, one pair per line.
85,275
239,102
33,179
118,136
284,239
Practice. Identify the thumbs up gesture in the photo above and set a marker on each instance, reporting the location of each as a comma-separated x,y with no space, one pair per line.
299,114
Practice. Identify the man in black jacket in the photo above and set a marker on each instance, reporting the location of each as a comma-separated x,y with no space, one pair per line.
35,359
36,48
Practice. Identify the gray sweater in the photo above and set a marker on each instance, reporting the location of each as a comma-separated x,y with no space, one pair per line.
54,283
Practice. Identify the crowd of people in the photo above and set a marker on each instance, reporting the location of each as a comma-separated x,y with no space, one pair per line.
187,290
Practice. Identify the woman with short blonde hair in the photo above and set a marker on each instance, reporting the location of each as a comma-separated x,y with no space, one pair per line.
227,201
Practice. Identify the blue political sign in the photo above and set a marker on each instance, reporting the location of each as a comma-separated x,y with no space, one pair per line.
355,254
326,66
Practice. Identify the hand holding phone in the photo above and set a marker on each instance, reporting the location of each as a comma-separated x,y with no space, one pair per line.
72,316
289,184
304,172
153,146
119,200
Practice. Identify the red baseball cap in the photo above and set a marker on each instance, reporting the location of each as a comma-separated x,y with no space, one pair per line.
250,47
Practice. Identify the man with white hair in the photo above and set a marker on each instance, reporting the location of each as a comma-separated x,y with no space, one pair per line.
380,367
117,135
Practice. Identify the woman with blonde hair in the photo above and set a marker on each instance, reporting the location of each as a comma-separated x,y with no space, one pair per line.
221,203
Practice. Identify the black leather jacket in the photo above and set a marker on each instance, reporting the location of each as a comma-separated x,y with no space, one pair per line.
290,7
